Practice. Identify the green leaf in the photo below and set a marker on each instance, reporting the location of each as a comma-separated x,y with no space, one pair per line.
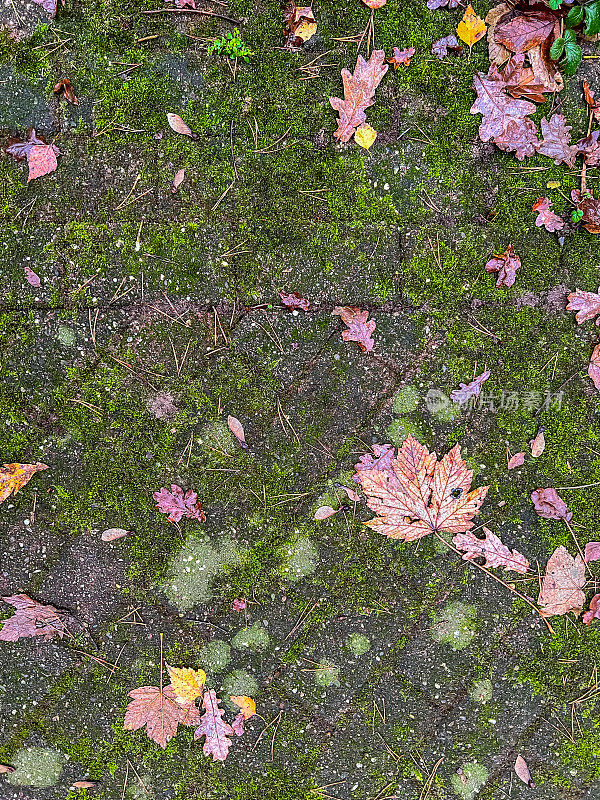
555,4
557,49
576,215
573,53
592,19
575,17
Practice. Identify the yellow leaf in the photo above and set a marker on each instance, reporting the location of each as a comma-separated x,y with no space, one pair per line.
365,136
471,28
187,683
246,705
553,184
14,477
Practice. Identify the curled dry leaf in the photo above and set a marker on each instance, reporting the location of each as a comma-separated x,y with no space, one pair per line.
471,28
400,57
413,494
546,217
159,712
179,126
236,427
66,86
544,69
491,548
365,136
592,551
520,81
214,728
506,265
294,301
300,25
516,461
562,584
112,534
538,445
178,180
587,305
549,505
13,477
359,329
441,46
594,367
522,772
497,52
359,93
32,278
187,684
593,611
32,619
521,33
469,390
590,209
177,504
324,512
352,495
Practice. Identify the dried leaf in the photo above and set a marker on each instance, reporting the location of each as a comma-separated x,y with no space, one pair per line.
562,584
375,4
352,495
549,505
185,3
556,141
324,512
522,772
178,180
594,367
544,68
238,725
32,278
592,551
506,265
83,784
66,86
527,30
433,5
294,301
471,28
359,330
592,103
547,218
300,25
214,728
589,147
538,445
177,504
491,548
32,619
505,119
365,136
187,683
159,712
359,93
239,604
520,81
590,209
441,46
413,494
400,57
51,6
5,768
236,427
41,156
112,534
587,305
497,52
516,461
469,390
179,126
594,610
13,477
246,705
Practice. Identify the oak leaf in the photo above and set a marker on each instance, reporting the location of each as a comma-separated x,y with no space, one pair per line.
562,584
556,140
187,683
505,119
594,367
469,390
41,156
471,28
549,505
32,619
592,552
214,728
516,461
593,611
359,329
13,477
177,504
294,301
400,57
415,494
440,47
520,81
546,217
433,5
159,712
527,30
506,265
587,305
359,93
491,548
51,6
589,208
497,52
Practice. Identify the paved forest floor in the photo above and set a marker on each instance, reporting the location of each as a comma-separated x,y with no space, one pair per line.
380,669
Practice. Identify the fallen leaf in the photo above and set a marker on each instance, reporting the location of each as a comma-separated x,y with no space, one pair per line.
491,548
32,278
359,93
158,711
469,390
365,136
179,126
13,477
592,103
246,705
324,512
556,141
177,504
83,784
544,68
538,445
5,768
587,305
187,683
238,725
178,180
497,52
471,28
185,3
562,584
594,610
589,147
300,25
294,301
505,119
592,551
549,505
400,57
522,772
359,330
506,265
546,217
413,494
41,156
51,6
594,367
516,461
384,455
375,4
352,495
520,81
527,30
433,5
236,427
441,46
590,209
214,728
32,619
112,534
239,604
66,86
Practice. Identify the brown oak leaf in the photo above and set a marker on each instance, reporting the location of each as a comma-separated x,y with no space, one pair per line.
589,147
586,304
400,57
300,25
562,584
556,140
441,46
359,93
177,504
594,610
550,505
294,301
159,712
497,52
32,619
359,329
214,728
469,390
520,81
505,119
491,548
527,30
41,156
66,86
546,217
519,137
506,265
594,367
418,494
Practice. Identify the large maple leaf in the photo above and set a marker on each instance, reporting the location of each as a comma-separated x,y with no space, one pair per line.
414,494
160,712
359,93
214,728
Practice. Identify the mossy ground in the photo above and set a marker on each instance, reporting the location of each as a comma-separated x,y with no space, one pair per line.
158,316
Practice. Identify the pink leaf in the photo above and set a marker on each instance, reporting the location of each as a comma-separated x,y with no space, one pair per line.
594,610
178,180
32,619
352,495
359,330
516,461
177,504
491,548
324,512
549,505
522,771
214,728
551,221
468,390
236,427
32,278
592,551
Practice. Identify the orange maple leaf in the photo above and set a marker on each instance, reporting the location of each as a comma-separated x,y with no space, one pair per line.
13,477
414,494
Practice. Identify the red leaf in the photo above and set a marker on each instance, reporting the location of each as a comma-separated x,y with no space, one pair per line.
506,265
236,427
32,619
177,504
549,505
66,86
214,728
41,156
592,551
590,208
594,610
587,305
159,712
528,30
359,330
522,772
324,512
592,103
179,126
440,47
294,301
551,221
359,93
505,119
594,367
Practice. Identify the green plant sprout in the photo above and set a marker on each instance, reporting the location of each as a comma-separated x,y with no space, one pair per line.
231,45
